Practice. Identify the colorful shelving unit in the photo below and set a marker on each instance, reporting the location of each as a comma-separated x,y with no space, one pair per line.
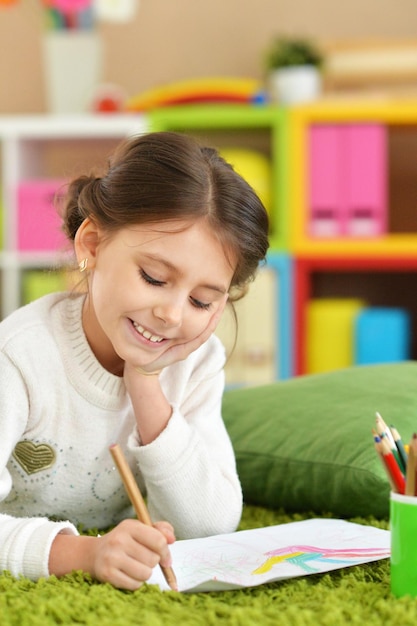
342,202
353,232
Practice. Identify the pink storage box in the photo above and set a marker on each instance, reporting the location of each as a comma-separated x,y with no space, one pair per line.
348,182
38,221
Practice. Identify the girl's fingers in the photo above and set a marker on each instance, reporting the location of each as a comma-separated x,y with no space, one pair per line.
131,577
127,555
167,530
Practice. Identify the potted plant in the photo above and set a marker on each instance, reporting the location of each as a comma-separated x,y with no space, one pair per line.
294,70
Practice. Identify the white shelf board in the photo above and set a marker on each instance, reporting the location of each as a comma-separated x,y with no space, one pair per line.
85,126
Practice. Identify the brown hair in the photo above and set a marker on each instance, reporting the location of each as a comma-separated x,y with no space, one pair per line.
168,176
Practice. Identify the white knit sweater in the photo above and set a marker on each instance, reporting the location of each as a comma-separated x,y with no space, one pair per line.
59,412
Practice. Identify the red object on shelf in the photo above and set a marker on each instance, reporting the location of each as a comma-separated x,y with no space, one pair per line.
108,98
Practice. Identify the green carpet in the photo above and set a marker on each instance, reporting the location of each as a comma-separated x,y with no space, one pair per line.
356,595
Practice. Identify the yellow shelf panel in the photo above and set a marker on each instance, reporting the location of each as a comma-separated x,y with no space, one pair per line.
390,246
389,111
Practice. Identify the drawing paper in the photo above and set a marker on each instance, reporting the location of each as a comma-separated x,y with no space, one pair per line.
249,558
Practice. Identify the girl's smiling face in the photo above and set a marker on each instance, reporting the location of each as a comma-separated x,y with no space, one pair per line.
150,287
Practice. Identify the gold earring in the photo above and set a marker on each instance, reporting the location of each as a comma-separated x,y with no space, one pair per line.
83,265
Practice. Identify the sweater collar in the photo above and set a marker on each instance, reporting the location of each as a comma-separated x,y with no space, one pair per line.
85,373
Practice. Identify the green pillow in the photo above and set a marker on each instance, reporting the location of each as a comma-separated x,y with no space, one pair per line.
305,444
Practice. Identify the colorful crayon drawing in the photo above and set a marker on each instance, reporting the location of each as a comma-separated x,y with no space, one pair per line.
302,555
249,558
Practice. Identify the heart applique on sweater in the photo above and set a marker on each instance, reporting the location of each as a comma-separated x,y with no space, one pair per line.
34,457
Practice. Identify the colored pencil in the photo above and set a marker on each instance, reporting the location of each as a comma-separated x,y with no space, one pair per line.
381,427
400,447
386,433
393,449
392,467
378,448
138,502
410,477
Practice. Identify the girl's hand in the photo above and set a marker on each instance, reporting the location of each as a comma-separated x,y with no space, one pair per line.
126,556
152,409
181,351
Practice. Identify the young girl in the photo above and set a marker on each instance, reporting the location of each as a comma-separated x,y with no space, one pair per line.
166,239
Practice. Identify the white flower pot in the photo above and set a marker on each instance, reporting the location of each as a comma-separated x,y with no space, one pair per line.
290,85
73,67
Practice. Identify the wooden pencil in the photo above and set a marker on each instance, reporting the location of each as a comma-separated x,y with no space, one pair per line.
410,476
138,502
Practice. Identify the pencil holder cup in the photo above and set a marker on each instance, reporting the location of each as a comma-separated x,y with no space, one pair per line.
73,68
403,525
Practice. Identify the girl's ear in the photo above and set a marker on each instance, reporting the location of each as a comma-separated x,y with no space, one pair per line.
86,242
